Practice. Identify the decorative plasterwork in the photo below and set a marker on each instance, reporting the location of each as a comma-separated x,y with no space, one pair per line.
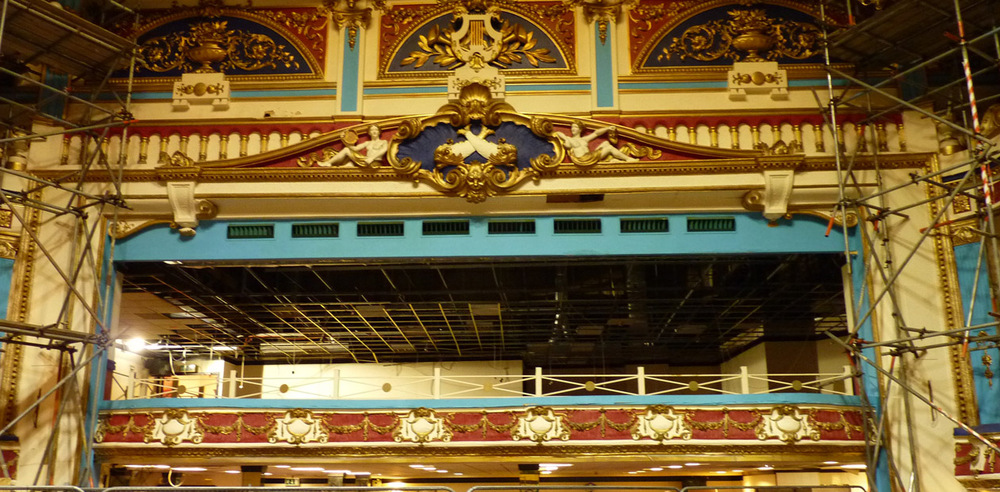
654,424
421,425
186,210
787,424
661,423
246,43
352,15
298,427
417,40
604,13
175,427
540,424
687,35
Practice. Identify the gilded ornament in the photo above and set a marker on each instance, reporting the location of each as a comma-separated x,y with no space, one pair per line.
212,42
199,89
6,218
661,423
540,424
421,425
787,423
515,45
748,35
298,426
173,427
578,146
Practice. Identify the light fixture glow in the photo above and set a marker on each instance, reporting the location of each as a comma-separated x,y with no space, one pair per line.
135,344
282,466
441,471
545,472
396,484
675,467
692,464
338,472
308,468
765,468
720,471
854,467
830,462
655,469
418,466
232,472
459,474
267,474
189,469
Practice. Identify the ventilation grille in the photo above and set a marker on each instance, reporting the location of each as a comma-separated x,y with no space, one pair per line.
577,226
316,230
250,231
711,224
512,227
446,227
645,225
371,229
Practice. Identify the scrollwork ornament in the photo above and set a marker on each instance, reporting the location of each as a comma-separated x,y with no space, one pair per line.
298,427
540,424
421,425
661,423
212,42
173,427
748,35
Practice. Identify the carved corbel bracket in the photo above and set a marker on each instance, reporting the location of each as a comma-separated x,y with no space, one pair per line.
352,15
756,201
778,186
603,12
187,211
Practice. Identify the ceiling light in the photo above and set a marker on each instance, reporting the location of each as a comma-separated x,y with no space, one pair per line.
720,471
267,474
632,473
361,473
459,474
396,484
162,467
338,472
766,467
135,344
692,464
655,469
675,467
189,469
232,472
308,468
441,471
854,467
545,472
737,471
417,466
555,465
830,462
282,466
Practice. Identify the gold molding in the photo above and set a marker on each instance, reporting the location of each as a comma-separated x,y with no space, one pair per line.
18,304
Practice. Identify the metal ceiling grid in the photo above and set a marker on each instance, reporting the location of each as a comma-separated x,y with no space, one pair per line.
556,313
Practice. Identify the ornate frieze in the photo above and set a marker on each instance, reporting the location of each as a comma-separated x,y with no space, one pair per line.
653,424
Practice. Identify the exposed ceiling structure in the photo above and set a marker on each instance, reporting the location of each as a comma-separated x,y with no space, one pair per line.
587,312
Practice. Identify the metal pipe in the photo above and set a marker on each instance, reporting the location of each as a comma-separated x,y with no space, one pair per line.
857,353
928,335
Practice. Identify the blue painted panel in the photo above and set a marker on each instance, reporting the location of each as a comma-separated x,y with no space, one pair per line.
285,93
987,389
752,235
604,67
560,401
349,79
869,375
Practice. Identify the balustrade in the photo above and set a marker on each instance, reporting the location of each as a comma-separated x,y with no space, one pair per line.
203,144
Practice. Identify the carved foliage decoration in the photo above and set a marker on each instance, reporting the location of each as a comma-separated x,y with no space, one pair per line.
432,38
719,33
420,426
298,427
238,41
540,424
175,427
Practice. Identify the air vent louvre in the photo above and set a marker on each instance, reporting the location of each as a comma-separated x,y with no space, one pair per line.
380,229
711,224
658,224
331,229
577,226
250,231
446,227
511,227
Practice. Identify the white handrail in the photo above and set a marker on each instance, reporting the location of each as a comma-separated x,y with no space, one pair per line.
538,384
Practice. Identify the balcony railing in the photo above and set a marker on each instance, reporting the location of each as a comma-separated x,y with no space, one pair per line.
338,386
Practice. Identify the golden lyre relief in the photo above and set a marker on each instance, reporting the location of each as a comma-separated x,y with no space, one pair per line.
211,42
451,49
748,35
